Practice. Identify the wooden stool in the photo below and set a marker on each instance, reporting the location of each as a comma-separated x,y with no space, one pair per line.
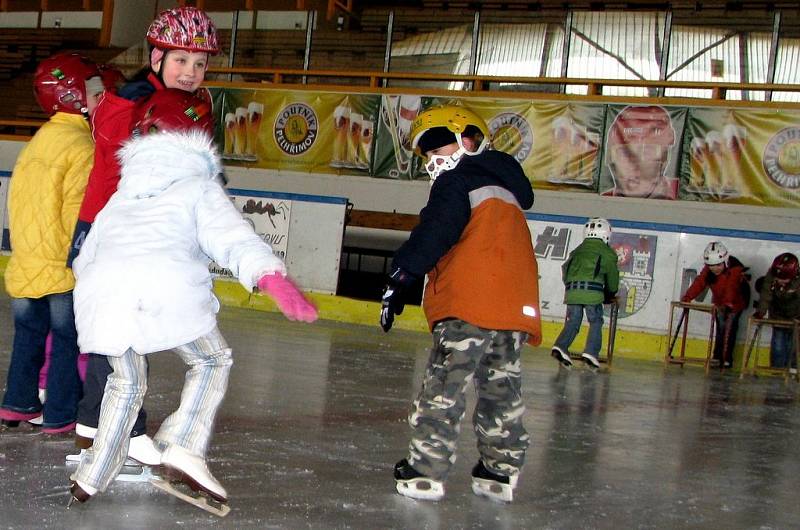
684,323
756,324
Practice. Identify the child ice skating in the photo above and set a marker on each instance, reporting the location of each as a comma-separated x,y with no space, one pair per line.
180,40
481,302
143,285
730,293
47,186
591,278
780,299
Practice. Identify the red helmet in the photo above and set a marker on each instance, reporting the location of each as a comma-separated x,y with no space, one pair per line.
112,77
184,28
59,83
172,109
786,266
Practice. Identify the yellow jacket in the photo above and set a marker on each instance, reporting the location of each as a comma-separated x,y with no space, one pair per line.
44,197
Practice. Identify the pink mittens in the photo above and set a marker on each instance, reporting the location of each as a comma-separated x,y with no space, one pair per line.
290,300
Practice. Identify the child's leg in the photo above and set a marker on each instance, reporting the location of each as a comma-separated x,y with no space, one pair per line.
48,350
97,371
63,383
437,411
190,427
781,347
502,439
125,392
31,324
572,325
594,340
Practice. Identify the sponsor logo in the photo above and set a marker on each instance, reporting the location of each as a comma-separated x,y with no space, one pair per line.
512,134
296,128
781,159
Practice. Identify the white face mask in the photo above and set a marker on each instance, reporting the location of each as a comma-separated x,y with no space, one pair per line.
438,164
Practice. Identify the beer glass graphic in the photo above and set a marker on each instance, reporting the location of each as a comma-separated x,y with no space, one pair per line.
341,129
255,114
367,128
230,125
734,138
562,139
240,133
354,140
715,160
699,162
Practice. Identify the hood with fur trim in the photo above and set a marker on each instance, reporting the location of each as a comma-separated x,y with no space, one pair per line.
152,163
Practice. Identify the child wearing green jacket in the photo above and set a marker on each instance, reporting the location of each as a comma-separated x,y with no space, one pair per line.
591,278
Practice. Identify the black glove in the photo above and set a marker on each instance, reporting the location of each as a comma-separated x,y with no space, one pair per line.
393,300
609,297
81,231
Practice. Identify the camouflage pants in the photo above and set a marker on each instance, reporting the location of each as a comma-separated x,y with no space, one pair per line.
462,352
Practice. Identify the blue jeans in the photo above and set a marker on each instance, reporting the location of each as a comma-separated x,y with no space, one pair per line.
782,348
33,319
572,325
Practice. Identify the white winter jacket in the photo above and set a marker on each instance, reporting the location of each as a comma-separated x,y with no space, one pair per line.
142,273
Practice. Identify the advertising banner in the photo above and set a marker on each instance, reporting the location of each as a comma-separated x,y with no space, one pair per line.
641,151
557,144
269,218
298,130
742,156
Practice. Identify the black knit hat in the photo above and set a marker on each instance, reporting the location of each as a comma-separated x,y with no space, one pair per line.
435,138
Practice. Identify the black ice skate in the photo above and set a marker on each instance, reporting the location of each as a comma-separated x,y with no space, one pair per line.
561,356
413,484
491,485
188,471
591,361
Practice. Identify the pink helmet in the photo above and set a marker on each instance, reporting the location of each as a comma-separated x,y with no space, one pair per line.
184,28
59,83
172,109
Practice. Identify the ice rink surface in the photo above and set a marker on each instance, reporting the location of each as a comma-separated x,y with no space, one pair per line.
314,420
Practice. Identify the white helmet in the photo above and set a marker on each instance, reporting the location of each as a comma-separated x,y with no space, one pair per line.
597,227
715,253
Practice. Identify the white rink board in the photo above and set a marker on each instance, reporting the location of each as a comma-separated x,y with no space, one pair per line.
655,260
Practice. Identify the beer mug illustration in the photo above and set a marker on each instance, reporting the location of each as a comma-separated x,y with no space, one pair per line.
699,162
367,128
561,136
341,128
715,154
230,125
240,133
734,138
354,140
255,114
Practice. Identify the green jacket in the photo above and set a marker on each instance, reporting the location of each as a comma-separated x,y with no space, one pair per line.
782,301
590,273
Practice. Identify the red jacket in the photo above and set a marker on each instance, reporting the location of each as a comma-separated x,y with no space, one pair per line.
728,289
111,127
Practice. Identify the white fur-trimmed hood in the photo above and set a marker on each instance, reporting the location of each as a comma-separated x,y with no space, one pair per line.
152,163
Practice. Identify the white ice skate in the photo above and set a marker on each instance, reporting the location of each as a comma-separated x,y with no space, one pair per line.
142,455
182,468
490,485
410,483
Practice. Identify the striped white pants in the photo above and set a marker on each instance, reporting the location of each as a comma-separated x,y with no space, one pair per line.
209,361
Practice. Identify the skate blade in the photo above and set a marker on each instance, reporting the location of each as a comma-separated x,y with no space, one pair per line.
71,460
492,490
423,489
202,502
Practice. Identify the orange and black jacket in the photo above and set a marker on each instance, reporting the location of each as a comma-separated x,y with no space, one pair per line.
474,244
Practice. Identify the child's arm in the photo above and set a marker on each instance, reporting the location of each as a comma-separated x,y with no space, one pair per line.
230,241
74,183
